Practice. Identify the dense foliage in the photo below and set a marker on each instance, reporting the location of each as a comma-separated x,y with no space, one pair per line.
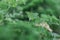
18,19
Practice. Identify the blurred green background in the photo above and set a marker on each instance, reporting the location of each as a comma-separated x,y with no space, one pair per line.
22,19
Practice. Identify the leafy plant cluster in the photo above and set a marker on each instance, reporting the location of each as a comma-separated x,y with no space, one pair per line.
18,19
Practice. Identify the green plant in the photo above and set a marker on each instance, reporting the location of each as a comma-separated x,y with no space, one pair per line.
18,19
